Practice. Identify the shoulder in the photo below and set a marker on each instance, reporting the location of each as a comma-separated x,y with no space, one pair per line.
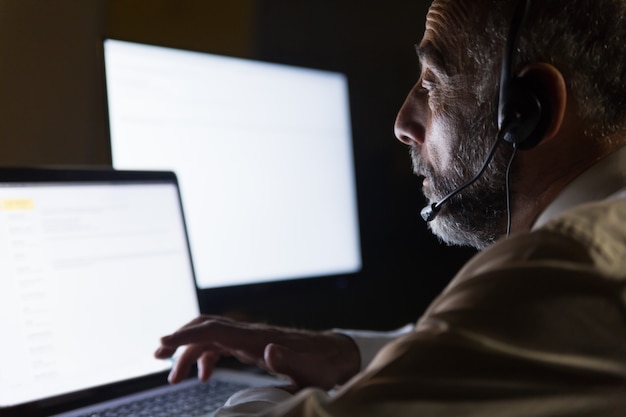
557,289
588,237
599,228
581,254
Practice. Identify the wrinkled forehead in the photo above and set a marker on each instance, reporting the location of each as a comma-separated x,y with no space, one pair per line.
447,25
443,13
446,18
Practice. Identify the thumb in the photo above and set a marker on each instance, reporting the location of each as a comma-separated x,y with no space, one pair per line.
299,368
278,359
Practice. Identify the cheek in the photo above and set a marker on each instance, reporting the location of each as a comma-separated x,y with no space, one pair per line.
440,138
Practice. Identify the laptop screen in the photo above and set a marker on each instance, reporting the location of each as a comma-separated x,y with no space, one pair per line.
263,153
93,273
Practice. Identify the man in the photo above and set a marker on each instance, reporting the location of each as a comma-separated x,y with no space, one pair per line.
535,324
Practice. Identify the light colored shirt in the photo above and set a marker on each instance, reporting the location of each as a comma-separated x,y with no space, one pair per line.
605,179
455,325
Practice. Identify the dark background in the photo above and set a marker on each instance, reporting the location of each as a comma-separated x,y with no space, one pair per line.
52,112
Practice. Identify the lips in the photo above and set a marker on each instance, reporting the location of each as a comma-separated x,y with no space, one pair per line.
427,188
423,170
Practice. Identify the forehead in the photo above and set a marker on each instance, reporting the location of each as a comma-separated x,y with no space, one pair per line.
446,23
444,15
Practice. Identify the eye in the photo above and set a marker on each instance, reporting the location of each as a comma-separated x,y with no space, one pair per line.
428,85
431,87
428,81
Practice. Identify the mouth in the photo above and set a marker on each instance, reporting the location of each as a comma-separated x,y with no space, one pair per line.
423,172
427,190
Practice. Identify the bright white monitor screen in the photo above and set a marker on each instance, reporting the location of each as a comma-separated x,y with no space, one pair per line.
263,153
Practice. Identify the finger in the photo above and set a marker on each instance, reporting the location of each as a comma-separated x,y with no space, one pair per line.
223,335
206,364
197,330
167,350
201,319
164,352
184,363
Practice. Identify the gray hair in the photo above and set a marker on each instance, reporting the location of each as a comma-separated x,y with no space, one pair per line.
584,39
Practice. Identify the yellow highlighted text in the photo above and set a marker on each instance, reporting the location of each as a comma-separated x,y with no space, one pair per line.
16,204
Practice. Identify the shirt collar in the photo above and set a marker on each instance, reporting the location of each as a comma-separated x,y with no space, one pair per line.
604,178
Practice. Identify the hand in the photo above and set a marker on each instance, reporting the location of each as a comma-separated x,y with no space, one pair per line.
319,359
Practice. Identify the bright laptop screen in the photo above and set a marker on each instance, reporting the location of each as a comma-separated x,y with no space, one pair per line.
92,275
263,153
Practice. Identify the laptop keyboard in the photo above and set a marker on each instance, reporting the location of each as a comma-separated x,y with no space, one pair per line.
194,401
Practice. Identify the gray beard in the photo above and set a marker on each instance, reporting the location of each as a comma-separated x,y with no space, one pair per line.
477,215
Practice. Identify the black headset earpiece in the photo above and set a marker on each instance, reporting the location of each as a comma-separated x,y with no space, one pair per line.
524,111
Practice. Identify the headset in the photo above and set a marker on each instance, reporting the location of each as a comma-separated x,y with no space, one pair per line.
524,111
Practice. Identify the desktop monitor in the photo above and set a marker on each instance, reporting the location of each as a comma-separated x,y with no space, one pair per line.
263,153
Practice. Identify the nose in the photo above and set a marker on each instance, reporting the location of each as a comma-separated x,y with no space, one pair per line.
409,127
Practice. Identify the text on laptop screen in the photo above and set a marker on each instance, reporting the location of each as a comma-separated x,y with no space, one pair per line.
91,277
263,153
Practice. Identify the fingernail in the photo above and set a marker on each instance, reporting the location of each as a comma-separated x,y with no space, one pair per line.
171,378
200,370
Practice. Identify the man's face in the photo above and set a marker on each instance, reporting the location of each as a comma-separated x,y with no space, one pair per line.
449,132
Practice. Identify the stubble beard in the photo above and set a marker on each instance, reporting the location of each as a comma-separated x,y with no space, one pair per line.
477,215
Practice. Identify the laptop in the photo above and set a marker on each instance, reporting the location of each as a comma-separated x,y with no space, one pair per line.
95,267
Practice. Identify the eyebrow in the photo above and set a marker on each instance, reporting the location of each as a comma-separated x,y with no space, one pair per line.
427,52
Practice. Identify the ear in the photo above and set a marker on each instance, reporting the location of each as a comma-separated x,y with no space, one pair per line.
549,80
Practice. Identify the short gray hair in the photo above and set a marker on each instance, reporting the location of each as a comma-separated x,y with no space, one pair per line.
584,39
